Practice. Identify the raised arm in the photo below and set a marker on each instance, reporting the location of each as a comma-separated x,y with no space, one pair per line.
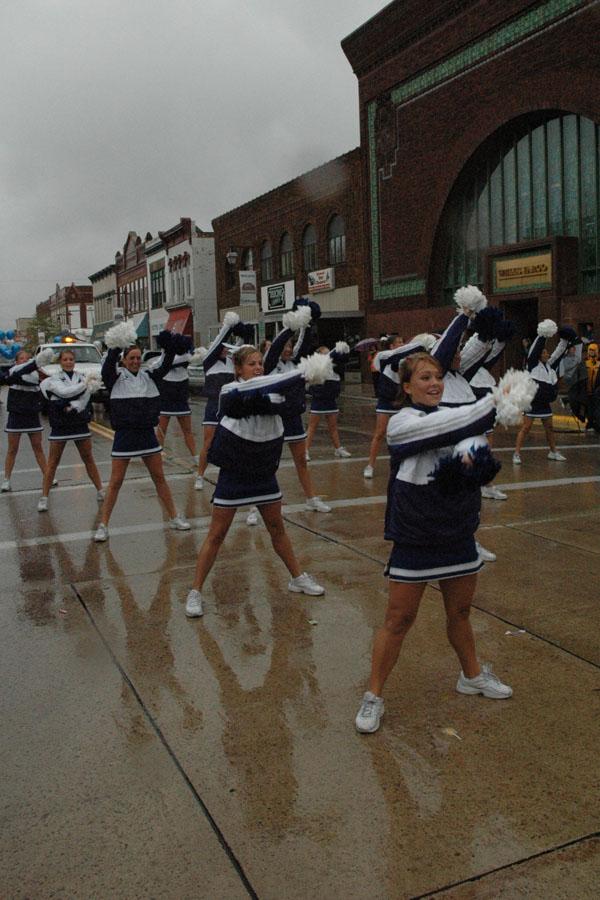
271,357
447,345
409,433
24,373
230,320
109,371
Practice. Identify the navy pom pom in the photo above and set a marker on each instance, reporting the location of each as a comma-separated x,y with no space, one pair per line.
452,476
504,331
484,468
315,309
164,340
567,333
486,323
182,344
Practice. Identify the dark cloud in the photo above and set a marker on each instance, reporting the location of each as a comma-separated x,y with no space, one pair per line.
124,116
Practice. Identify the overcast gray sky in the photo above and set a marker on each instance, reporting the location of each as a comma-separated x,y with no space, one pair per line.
128,115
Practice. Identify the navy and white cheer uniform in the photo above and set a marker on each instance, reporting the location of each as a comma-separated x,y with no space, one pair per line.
479,374
432,530
544,374
24,399
134,405
293,426
457,390
69,406
174,387
249,437
217,372
387,363
323,397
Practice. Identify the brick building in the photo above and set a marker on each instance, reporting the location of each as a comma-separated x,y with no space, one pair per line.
72,307
305,236
132,284
104,290
479,125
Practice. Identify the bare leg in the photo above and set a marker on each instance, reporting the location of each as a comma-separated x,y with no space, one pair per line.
381,423
14,439
161,429
331,420
298,451
117,474
525,429
550,437
458,595
185,423
154,465
403,605
219,526
85,452
271,513
209,433
38,450
55,451
313,424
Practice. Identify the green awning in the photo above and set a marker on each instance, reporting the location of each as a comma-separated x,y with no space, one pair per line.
143,330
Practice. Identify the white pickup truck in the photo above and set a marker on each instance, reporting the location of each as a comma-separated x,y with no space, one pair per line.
87,360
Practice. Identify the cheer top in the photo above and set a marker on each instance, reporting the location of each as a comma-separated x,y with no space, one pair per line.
544,374
134,399
70,405
24,388
387,363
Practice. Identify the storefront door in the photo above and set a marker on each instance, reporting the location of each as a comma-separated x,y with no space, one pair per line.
524,315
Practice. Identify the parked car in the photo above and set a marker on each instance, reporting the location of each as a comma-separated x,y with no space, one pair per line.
87,360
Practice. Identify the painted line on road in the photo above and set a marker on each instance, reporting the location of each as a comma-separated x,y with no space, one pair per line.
102,430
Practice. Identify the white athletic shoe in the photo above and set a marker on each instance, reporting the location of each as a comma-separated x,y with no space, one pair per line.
370,713
516,459
193,604
55,482
484,554
100,496
179,524
556,456
485,683
368,472
316,504
196,459
305,584
492,493
341,453
199,483
5,486
307,456
101,533
43,504
252,518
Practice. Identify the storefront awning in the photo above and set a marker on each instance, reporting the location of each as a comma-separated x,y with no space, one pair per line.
100,330
180,321
142,327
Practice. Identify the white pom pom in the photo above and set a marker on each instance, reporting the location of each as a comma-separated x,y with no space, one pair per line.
342,348
297,318
513,396
44,357
230,319
122,335
469,299
427,341
547,328
317,368
92,382
198,357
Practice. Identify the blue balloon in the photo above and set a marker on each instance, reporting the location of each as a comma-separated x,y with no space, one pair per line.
3,351
10,335
17,347
2,335
57,339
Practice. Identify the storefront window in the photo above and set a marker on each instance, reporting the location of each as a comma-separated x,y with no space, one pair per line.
286,256
266,262
538,182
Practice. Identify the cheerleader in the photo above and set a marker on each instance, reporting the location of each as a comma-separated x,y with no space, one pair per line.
134,411
69,412
438,462
324,401
218,371
385,365
283,356
247,447
542,367
174,390
23,405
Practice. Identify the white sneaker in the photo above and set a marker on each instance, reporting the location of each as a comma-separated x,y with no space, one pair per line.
193,604
316,504
307,456
485,683
341,453
484,554
5,486
195,459
305,584
516,459
492,493
370,713
555,455
43,504
199,483
179,524
101,533
55,482
100,496
252,518
368,472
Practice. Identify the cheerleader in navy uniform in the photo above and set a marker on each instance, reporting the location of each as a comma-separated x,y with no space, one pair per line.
134,412
218,370
438,462
174,390
324,400
543,369
23,405
247,447
69,395
386,365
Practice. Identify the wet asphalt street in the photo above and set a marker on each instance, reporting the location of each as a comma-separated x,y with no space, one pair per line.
148,755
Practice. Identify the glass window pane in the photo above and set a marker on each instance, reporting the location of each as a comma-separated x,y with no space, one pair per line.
555,195
510,197
589,186
524,188
496,203
539,181
571,174
470,213
483,210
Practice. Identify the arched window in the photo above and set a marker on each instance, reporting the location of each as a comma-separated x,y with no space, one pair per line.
309,248
266,262
538,176
336,240
247,260
286,256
